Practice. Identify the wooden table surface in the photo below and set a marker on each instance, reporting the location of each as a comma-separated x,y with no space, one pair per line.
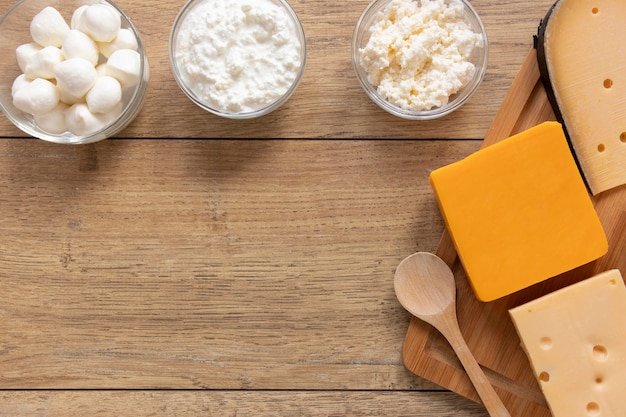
208,276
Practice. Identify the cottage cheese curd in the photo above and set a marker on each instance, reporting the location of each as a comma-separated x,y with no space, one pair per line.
238,56
419,52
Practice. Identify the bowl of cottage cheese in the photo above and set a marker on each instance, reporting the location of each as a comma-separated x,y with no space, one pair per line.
73,72
237,59
419,59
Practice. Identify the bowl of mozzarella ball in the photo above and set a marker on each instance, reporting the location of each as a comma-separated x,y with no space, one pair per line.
73,72
419,59
238,59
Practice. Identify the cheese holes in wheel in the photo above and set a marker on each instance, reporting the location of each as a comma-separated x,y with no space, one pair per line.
600,353
584,83
593,409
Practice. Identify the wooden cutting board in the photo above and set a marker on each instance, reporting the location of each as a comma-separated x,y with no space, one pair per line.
486,326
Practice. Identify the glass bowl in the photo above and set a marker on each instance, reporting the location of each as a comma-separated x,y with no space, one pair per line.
421,79
239,59
15,31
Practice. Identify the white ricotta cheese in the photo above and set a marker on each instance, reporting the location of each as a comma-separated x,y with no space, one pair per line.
419,52
238,56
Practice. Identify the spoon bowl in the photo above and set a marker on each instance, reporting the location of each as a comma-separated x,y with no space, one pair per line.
425,286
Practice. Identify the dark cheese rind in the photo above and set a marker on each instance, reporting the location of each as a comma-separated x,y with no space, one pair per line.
581,55
539,43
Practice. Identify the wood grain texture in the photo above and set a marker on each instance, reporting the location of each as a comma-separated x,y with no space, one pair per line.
211,264
245,266
329,103
235,403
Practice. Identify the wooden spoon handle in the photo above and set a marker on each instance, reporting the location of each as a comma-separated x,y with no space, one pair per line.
488,395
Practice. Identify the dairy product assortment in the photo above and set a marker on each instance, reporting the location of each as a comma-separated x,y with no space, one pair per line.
519,212
419,52
74,76
238,56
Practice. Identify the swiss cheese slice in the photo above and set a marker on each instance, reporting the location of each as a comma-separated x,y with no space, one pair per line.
518,212
581,49
575,339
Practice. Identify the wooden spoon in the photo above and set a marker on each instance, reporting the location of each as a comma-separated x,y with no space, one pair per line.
425,287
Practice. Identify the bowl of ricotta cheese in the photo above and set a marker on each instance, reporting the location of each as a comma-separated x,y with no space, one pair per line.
419,59
238,59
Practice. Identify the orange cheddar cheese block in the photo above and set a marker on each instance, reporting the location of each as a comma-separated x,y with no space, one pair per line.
518,212
575,341
581,51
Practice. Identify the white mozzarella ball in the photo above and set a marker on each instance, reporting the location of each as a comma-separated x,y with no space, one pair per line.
112,114
81,121
76,16
125,66
53,121
125,39
25,52
37,97
41,64
48,27
76,44
19,82
75,76
101,69
68,98
104,95
100,21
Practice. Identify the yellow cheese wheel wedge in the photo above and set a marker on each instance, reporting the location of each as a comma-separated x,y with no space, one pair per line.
575,341
518,212
581,50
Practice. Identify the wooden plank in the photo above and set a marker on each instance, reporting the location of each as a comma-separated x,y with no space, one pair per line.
211,264
487,326
235,403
